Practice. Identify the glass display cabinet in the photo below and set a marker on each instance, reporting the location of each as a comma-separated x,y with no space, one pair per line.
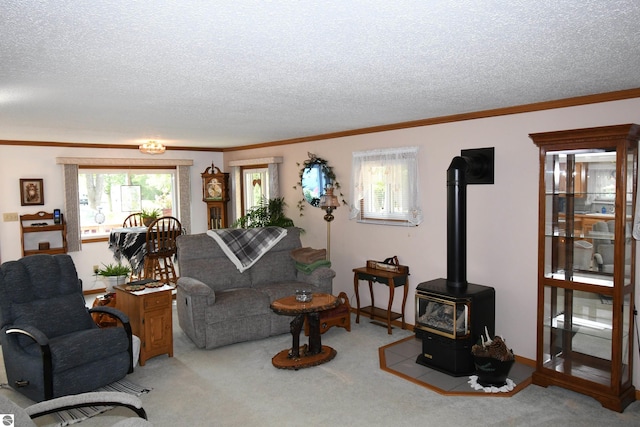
586,262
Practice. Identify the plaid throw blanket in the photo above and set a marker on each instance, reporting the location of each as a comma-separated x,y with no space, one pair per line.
130,242
245,247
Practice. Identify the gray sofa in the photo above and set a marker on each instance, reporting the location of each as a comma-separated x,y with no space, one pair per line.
217,305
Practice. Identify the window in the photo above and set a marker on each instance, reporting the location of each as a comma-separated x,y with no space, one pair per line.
255,187
108,195
72,199
385,186
251,180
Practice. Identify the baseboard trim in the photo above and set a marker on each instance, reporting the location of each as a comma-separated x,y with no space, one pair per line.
95,291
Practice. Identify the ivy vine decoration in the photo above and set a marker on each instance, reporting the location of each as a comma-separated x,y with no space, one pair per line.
326,170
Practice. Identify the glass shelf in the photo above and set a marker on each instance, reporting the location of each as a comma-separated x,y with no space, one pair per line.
582,344
580,201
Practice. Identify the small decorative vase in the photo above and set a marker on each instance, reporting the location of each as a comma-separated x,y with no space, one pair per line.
492,372
303,295
147,221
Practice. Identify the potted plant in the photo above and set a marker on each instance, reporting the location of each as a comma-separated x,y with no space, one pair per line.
149,215
267,213
493,360
114,274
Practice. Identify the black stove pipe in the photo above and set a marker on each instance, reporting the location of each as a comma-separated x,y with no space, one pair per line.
457,222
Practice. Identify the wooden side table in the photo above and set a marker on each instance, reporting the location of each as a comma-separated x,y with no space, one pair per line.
339,316
102,319
315,353
389,278
150,317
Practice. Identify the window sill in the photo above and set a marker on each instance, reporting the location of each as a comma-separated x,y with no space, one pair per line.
95,239
393,222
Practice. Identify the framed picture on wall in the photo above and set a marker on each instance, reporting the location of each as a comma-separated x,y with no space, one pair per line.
31,192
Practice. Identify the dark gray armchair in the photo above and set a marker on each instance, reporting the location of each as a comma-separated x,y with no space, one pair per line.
50,343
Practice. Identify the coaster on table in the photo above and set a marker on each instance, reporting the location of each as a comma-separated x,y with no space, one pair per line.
133,288
154,285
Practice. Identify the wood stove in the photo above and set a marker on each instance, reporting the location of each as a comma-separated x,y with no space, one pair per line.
449,321
452,314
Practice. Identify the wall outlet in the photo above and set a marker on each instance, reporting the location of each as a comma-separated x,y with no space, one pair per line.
95,269
10,216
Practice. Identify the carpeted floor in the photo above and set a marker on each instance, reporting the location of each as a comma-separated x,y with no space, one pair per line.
238,386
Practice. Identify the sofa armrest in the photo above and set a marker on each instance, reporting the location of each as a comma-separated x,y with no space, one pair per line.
28,331
110,311
196,289
321,276
84,400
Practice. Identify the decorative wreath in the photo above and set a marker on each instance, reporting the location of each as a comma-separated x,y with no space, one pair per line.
326,171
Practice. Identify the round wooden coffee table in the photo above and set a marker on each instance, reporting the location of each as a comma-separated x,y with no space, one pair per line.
308,355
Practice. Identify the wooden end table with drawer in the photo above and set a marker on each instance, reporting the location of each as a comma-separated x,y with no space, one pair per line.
392,280
150,317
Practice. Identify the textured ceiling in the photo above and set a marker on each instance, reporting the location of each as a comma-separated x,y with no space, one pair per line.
231,73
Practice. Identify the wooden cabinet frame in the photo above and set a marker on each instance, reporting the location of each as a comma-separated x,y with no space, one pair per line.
562,358
150,317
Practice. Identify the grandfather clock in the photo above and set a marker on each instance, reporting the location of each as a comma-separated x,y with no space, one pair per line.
215,193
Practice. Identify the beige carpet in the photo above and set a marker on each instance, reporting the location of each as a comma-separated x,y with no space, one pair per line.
237,386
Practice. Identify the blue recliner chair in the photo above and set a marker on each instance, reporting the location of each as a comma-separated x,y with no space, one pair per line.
50,343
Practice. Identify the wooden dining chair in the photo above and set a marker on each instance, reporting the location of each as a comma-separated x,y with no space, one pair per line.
133,220
161,249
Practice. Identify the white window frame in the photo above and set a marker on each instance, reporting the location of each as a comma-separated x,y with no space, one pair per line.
392,200
92,231
237,179
70,167
249,200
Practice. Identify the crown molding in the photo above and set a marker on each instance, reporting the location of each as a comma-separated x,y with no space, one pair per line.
518,109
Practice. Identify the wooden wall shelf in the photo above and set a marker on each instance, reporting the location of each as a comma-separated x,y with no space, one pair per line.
49,238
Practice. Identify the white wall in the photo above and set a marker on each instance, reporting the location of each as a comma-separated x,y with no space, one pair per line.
502,218
40,162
